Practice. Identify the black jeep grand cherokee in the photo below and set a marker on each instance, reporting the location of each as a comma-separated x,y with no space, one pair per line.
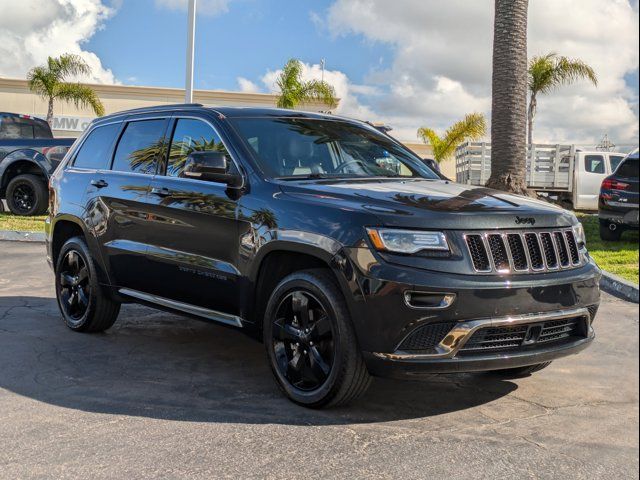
323,237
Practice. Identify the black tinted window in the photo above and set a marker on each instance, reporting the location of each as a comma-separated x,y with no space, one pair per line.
594,164
42,130
15,127
95,152
190,136
629,168
141,147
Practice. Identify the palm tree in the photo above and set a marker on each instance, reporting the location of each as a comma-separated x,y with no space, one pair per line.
509,104
548,72
472,127
49,81
294,90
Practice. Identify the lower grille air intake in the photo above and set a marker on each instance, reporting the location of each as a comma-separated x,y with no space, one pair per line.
425,339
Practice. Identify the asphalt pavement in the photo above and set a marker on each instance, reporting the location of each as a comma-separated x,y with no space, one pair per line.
162,396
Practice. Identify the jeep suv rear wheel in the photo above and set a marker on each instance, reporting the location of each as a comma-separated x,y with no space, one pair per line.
83,303
310,342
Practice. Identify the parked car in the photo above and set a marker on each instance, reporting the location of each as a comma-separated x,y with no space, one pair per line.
562,173
618,204
327,240
28,155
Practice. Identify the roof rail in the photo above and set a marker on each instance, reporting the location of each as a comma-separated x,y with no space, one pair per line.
156,108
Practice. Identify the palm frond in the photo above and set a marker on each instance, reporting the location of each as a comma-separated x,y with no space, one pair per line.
41,81
80,95
318,90
472,127
550,71
67,65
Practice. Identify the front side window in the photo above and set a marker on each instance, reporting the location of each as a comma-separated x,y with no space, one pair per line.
96,149
189,136
594,163
141,147
298,148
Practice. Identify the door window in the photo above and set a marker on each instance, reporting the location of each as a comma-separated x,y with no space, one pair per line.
95,152
615,161
141,147
191,135
594,164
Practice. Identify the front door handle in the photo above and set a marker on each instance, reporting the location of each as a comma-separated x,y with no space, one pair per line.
99,183
161,192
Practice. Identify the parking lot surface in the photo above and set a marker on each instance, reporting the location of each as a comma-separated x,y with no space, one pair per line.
161,396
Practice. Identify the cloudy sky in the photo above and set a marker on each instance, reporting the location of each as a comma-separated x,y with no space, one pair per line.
409,63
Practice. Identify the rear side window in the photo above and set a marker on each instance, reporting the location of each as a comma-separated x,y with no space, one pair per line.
42,130
594,164
615,161
142,146
95,152
16,128
629,168
191,136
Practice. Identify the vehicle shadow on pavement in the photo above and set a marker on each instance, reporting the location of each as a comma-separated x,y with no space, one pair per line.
157,365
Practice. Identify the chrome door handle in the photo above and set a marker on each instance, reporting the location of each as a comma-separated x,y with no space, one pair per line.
99,183
161,192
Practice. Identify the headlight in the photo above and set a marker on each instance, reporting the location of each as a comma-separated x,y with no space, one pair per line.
407,241
581,237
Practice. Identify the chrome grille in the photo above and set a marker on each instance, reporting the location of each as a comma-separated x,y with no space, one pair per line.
523,252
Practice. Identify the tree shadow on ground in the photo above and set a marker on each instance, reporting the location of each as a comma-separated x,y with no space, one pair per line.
157,365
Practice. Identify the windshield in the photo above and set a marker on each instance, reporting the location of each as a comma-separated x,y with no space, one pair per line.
301,148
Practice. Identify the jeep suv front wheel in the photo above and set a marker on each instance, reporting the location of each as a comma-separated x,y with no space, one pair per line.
310,342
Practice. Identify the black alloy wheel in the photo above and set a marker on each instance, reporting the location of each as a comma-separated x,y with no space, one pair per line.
311,343
85,305
303,341
27,195
75,288
24,197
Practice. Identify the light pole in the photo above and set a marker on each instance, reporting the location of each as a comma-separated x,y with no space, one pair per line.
191,39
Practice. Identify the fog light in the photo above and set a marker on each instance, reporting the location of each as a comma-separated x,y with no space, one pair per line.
429,300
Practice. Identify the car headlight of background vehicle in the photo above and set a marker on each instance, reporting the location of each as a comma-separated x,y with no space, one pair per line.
407,241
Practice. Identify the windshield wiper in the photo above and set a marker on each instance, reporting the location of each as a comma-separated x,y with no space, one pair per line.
310,176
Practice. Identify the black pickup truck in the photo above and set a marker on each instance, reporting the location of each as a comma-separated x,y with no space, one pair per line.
28,155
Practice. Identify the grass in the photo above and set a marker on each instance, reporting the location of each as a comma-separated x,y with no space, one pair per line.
23,224
619,258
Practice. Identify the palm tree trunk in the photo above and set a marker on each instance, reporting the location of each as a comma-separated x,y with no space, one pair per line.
50,112
509,105
533,103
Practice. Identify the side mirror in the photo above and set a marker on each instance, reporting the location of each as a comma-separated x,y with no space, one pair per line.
210,166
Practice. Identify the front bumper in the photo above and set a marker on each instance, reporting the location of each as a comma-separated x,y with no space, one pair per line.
448,356
383,318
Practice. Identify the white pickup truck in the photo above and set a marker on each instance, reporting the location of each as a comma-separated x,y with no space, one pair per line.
568,175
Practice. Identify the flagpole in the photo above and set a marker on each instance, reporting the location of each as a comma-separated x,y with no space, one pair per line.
191,38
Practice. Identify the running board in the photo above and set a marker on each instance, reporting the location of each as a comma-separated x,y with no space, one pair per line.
220,317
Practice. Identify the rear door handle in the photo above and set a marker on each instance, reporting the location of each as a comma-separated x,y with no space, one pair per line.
161,192
99,183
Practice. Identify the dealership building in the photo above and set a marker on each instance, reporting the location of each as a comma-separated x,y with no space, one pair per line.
70,121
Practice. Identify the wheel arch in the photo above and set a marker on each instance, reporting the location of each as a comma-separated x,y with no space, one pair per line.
279,259
19,163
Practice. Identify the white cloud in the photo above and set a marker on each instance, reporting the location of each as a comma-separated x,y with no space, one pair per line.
442,64
247,86
32,30
206,7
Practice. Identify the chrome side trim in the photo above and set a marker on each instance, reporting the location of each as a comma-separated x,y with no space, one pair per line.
461,333
220,317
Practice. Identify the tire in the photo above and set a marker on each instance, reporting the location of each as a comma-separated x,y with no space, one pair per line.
608,235
27,195
522,371
87,308
327,316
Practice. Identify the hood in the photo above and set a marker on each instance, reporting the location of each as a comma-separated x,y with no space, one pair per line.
433,204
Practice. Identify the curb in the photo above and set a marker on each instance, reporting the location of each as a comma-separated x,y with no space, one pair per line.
14,236
619,287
